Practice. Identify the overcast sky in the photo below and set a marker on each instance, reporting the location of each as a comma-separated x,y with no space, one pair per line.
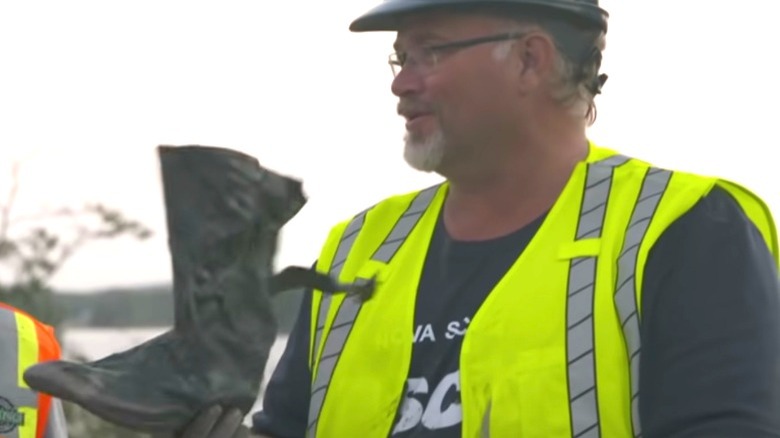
88,89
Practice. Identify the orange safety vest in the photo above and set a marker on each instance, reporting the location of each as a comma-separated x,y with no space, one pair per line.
24,341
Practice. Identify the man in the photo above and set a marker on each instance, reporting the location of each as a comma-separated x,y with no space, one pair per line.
25,413
550,287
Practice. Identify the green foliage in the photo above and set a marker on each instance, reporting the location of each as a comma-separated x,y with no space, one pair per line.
31,256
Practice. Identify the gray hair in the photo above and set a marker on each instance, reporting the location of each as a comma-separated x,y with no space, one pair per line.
576,86
575,82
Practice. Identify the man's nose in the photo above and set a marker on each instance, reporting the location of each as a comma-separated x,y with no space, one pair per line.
408,81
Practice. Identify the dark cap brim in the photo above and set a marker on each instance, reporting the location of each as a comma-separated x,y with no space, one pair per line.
388,15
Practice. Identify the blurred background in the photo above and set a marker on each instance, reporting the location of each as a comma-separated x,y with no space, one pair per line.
89,88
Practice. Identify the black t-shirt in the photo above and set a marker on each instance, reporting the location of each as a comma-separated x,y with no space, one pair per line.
710,334
456,279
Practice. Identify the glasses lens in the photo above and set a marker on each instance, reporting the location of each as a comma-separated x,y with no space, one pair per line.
395,63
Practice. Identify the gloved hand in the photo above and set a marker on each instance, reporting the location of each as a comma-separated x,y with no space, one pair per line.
215,422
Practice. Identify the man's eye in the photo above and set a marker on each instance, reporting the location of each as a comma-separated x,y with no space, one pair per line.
429,52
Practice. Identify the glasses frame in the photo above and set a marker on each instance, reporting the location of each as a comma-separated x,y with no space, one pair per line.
428,57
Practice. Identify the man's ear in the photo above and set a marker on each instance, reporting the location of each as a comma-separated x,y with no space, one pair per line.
536,61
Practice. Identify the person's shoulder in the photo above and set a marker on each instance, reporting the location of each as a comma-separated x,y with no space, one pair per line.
704,198
11,314
717,191
717,206
720,219
26,327
725,200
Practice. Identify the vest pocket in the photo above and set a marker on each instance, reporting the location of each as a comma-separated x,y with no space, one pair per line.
530,399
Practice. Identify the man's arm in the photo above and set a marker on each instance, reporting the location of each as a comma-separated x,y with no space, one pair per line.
710,362
286,397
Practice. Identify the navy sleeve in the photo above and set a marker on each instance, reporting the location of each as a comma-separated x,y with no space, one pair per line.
286,398
710,364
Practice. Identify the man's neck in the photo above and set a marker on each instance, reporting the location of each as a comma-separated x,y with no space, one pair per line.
510,196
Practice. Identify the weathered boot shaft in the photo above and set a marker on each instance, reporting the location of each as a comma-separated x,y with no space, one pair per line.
224,212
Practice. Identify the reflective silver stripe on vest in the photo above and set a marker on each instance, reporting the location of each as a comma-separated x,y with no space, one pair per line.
485,432
350,307
653,188
9,370
404,226
580,346
56,425
342,250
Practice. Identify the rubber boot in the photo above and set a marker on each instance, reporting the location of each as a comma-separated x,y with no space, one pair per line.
224,212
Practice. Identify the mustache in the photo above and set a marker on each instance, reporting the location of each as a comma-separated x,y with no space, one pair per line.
410,107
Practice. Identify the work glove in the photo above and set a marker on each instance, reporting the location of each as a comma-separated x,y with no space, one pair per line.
224,212
213,422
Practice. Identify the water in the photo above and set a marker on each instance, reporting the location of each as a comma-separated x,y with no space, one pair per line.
93,343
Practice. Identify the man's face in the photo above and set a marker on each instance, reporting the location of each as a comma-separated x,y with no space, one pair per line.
450,98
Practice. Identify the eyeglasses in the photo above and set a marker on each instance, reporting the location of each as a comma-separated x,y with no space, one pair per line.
428,57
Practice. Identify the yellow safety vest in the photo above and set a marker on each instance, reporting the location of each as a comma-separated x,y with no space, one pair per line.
25,413
554,349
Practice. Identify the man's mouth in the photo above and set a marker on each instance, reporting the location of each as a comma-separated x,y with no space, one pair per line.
412,115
